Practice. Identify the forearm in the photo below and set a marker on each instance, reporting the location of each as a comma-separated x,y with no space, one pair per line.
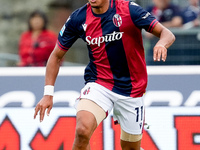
52,69
167,38
53,66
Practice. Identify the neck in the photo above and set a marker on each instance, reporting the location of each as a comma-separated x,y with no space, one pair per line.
102,8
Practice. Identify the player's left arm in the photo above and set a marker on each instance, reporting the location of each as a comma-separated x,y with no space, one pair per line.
144,20
166,39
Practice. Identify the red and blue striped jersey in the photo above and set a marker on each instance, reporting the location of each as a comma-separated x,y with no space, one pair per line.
115,45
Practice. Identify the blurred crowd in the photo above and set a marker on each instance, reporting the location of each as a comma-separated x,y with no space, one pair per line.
36,44
171,15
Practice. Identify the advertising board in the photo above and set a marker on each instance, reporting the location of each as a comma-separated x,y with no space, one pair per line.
172,110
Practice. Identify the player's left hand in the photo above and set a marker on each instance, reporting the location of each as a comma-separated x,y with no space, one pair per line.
159,53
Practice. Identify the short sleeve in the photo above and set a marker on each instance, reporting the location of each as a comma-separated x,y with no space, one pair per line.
68,34
142,18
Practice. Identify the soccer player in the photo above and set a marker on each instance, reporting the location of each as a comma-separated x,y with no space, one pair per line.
116,75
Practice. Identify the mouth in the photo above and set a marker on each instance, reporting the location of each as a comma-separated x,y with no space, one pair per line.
92,1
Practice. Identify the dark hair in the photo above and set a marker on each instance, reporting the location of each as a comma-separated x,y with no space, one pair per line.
38,13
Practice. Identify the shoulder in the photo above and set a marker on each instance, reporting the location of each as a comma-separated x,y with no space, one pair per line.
135,7
136,10
79,14
75,20
80,10
150,8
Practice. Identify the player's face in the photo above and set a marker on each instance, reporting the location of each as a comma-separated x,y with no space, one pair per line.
98,3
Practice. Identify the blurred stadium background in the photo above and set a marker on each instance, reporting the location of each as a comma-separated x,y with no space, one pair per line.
13,21
172,100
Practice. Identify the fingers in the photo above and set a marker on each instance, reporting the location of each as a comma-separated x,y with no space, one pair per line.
45,103
48,111
157,54
41,109
36,111
160,52
164,54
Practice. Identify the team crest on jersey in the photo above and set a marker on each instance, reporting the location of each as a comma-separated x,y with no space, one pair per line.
117,20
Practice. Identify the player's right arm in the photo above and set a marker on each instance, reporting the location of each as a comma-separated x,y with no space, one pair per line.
52,69
67,36
53,65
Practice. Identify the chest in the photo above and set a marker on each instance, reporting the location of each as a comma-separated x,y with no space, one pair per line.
115,21
107,29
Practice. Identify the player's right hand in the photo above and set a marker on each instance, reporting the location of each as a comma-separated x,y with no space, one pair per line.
45,103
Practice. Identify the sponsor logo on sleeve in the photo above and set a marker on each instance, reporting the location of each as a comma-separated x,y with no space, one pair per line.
62,30
147,15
